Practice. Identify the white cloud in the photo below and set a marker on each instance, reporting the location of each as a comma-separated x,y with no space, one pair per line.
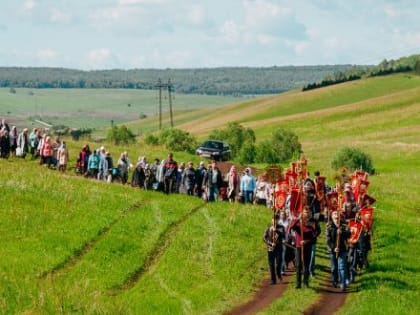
265,39
46,54
120,19
178,58
28,6
231,32
391,11
196,14
58,16
299,47
98,57
136,2
259,12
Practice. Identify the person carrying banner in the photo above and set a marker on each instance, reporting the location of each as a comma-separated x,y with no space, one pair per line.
337,234
305,234
274,236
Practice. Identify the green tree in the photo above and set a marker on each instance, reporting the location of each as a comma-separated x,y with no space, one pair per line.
235,135
120,135
285,144
247,154
266,153
151,139
417,67
353,159
177,140
282,147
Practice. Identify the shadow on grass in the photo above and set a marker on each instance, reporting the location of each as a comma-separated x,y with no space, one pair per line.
385,267
371,281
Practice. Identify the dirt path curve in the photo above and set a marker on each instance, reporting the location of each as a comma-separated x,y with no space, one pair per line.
263,297
328,303
330,300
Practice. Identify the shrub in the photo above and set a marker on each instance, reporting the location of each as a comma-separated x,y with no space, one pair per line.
77,133
353,159
178,140
151,139
247,154
235,135
121,135
285,145
266,153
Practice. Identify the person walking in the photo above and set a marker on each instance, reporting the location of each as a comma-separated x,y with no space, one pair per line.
188,179
248,186
213,181
274,236
337,234
63,157
170,169
232,179
22,143
305,235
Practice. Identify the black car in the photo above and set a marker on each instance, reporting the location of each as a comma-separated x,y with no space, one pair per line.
214,149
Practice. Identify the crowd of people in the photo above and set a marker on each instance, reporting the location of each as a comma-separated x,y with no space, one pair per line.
204,181
301,205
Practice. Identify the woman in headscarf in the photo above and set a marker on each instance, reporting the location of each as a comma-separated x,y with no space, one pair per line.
233,184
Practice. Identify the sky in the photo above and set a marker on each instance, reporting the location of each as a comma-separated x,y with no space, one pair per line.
128,34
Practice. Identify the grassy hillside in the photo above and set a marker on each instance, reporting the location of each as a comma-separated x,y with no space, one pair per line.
72,245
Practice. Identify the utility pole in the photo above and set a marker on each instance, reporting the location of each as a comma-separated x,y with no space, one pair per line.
160,102
170,102
169,86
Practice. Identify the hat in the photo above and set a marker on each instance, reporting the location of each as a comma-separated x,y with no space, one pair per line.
248,170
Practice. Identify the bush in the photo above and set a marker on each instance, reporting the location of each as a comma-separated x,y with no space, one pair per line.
353,159
60,130
77,133
282,147
235,135
121,135
151,139
266,153
247,154
178,140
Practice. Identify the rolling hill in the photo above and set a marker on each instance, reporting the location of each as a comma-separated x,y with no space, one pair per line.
71,245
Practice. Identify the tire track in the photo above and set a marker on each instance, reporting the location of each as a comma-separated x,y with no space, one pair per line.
263,297
330,300
79,253
156,252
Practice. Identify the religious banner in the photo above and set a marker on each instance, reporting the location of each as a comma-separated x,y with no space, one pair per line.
367,217
332,201
296,204
355,229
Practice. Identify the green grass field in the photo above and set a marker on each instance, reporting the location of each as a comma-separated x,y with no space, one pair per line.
94,108
71,245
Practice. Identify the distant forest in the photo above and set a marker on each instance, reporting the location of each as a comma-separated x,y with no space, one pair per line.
404,64
237,81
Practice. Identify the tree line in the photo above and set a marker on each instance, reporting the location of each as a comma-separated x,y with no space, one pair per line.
237,81
404,64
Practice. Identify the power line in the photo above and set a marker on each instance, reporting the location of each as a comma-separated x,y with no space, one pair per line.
168,86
